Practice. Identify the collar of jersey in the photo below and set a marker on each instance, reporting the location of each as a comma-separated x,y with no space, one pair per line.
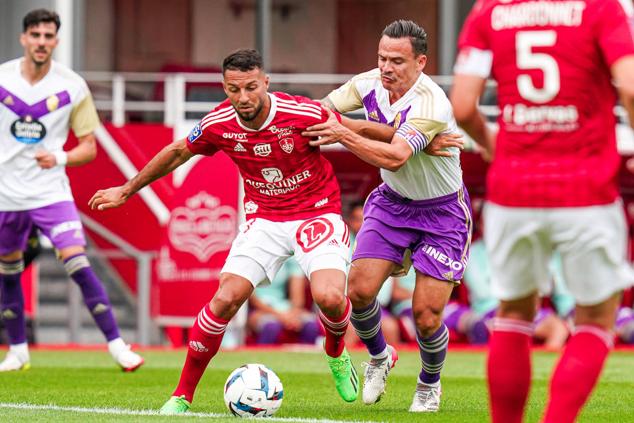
268,120
398,105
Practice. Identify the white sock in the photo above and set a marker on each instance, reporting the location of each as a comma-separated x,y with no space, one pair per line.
380,356
21,350
116,346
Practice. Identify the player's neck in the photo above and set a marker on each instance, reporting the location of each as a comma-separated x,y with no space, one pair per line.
32,72
259,120
397,92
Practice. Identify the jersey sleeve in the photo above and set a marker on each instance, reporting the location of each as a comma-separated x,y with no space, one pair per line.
474,52
615,31
83,117
346,98
201,141
419,132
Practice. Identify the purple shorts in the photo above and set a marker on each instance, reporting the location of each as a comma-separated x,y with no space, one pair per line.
59,222
436,231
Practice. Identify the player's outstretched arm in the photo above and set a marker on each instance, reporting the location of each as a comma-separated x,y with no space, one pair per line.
390,156
84,152
623,74
168,159
464,96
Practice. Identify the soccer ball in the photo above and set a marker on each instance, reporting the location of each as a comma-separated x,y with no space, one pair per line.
253,390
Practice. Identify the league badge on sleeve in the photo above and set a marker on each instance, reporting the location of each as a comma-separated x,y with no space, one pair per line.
195,133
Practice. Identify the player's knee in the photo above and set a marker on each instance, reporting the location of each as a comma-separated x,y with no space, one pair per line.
360,296
427,321
330,300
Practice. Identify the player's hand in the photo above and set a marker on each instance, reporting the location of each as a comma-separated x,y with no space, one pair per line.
45,160
441,142
329,132
108,198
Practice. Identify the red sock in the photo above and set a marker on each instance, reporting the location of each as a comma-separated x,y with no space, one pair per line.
335,330
577,373
509,369
204,342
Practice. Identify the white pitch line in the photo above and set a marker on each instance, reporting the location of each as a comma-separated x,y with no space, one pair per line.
127,412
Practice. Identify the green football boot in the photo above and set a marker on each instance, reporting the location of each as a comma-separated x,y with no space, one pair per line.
175,405
346,379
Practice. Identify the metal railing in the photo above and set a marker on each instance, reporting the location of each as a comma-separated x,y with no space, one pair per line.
124,250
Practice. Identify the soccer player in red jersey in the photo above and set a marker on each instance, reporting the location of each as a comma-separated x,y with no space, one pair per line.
292,205
552,183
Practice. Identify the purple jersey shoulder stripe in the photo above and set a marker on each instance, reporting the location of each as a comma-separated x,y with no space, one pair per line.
37,110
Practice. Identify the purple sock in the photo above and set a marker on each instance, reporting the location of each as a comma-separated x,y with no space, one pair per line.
309,332
270,332
452,314
432,354
95,296
367,324
12,301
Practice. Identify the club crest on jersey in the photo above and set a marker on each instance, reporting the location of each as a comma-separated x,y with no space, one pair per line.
272,174
287,145
28,130
313,232
195,133
262,149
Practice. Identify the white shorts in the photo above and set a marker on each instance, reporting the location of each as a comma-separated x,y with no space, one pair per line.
262,246
592,242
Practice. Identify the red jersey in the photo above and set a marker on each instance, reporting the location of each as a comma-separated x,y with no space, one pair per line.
556,145
284,177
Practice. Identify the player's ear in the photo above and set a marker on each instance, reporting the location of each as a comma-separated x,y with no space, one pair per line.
422,61
267,78
23,39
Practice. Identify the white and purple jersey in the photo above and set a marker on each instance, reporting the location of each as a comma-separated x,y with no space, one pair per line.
38,117
419,115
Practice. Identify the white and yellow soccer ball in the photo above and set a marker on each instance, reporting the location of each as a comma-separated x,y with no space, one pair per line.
253,390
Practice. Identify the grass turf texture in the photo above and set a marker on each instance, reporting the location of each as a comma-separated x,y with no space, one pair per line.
90,379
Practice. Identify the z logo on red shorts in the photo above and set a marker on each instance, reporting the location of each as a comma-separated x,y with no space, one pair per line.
314,232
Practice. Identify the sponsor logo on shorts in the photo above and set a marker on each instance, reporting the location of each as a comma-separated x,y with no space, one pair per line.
454,265
314,232
65,227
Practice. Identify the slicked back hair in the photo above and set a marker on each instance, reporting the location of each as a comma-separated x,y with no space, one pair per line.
416,34
243,60
37,16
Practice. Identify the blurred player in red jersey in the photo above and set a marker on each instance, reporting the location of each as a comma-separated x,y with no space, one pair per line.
552,184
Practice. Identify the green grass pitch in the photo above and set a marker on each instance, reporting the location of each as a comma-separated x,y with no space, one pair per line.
89,380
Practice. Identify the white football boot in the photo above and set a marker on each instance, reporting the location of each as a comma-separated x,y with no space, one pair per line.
375,376
426,398
124,356
17,358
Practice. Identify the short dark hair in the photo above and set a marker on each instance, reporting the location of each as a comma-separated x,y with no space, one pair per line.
37,16
243,60
415,32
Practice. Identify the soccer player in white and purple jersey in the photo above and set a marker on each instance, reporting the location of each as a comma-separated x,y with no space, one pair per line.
422,206
552,184
39,101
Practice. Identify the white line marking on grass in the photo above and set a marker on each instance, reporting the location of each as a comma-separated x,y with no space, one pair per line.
127,412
